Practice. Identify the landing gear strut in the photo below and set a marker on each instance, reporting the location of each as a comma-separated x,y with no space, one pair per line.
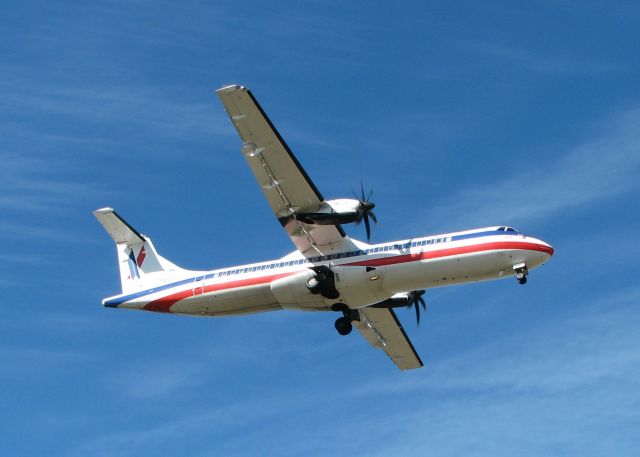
343,324
521,273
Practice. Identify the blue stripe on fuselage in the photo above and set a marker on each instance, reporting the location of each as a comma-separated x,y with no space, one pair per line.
481,234
114,302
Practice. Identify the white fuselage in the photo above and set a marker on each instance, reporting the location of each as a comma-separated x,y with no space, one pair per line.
364,274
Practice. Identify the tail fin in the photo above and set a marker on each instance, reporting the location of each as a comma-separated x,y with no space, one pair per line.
140,264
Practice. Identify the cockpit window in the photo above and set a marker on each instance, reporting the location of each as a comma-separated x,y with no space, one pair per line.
511,229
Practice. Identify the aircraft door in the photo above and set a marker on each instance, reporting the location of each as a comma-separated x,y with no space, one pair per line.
198,285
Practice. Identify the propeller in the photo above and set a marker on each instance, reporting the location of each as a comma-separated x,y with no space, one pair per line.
415,299
365,210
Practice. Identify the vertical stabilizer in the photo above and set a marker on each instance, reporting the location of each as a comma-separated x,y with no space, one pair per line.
141,266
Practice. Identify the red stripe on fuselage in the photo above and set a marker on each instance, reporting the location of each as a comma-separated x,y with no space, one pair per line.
163,304
498,245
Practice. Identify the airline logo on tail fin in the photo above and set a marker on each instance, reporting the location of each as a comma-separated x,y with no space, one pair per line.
141,255
135,263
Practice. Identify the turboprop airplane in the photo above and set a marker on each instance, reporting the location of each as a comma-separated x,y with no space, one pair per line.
328,271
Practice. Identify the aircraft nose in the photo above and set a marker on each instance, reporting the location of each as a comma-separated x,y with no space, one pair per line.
545,250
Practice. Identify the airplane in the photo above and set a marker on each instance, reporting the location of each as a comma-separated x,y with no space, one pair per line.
328,270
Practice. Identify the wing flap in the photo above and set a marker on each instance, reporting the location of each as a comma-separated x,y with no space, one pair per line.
382,329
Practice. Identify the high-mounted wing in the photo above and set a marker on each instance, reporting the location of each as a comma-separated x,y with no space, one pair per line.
282,179
381,327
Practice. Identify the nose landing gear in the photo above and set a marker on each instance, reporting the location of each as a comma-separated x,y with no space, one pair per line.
521,272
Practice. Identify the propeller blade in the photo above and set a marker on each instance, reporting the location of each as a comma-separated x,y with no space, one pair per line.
415,299
365,209
366,224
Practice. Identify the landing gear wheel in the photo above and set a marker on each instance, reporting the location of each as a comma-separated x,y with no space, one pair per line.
343,325
521,273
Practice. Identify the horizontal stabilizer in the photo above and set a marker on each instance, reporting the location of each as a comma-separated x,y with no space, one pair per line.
117,227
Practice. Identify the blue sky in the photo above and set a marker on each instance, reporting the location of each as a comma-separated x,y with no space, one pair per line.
458,115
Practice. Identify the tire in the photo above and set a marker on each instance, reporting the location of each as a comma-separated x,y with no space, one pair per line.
343,325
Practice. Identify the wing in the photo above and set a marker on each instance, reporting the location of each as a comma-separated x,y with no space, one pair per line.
282,179
381,328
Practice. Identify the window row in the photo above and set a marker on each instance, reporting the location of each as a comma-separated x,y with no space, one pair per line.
325,258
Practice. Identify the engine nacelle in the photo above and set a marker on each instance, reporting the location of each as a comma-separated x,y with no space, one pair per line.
339,211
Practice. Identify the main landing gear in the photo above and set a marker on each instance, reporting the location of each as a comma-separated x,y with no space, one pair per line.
343,324
521,272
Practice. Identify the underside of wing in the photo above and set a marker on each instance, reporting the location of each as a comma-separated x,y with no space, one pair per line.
381,327
285,184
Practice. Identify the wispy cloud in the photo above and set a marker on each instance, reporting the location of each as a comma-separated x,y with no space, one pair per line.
599,168
538,62
558,386
24,259
558,383
18,362
153,381
218,422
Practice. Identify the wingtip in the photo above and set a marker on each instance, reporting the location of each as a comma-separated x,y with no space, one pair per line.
230,88
104,210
